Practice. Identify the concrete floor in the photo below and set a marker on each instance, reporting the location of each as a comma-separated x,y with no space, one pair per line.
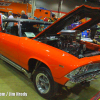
11,80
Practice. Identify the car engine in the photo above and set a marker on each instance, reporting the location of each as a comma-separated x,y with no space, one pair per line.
69,41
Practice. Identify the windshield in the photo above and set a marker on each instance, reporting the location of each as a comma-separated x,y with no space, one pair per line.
30,30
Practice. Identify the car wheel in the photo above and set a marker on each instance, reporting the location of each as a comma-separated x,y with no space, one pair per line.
44,83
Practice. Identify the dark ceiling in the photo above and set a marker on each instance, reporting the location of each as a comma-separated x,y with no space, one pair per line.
93,1
29,1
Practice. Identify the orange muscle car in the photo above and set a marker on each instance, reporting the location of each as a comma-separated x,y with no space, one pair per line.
48,58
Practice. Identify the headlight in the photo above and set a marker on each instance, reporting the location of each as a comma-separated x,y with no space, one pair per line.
77,72
73,73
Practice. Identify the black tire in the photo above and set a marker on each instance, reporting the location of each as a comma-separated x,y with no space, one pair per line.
52,86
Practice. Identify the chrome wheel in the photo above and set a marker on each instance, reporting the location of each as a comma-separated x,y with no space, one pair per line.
42,83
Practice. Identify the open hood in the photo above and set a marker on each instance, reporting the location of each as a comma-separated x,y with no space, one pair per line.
78,13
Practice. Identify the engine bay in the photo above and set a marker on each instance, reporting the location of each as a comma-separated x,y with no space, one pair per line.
69,41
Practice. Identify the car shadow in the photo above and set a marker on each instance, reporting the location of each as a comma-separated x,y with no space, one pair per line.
75,93
64,93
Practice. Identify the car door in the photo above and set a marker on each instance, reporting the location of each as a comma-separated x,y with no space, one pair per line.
10,43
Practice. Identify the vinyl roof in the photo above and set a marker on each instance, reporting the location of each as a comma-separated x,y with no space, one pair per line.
27,20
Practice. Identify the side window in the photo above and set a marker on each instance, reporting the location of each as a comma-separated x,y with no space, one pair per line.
11,28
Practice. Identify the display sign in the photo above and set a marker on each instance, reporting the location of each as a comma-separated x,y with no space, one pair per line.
16,8
30,34
4,4
20,1
41,13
